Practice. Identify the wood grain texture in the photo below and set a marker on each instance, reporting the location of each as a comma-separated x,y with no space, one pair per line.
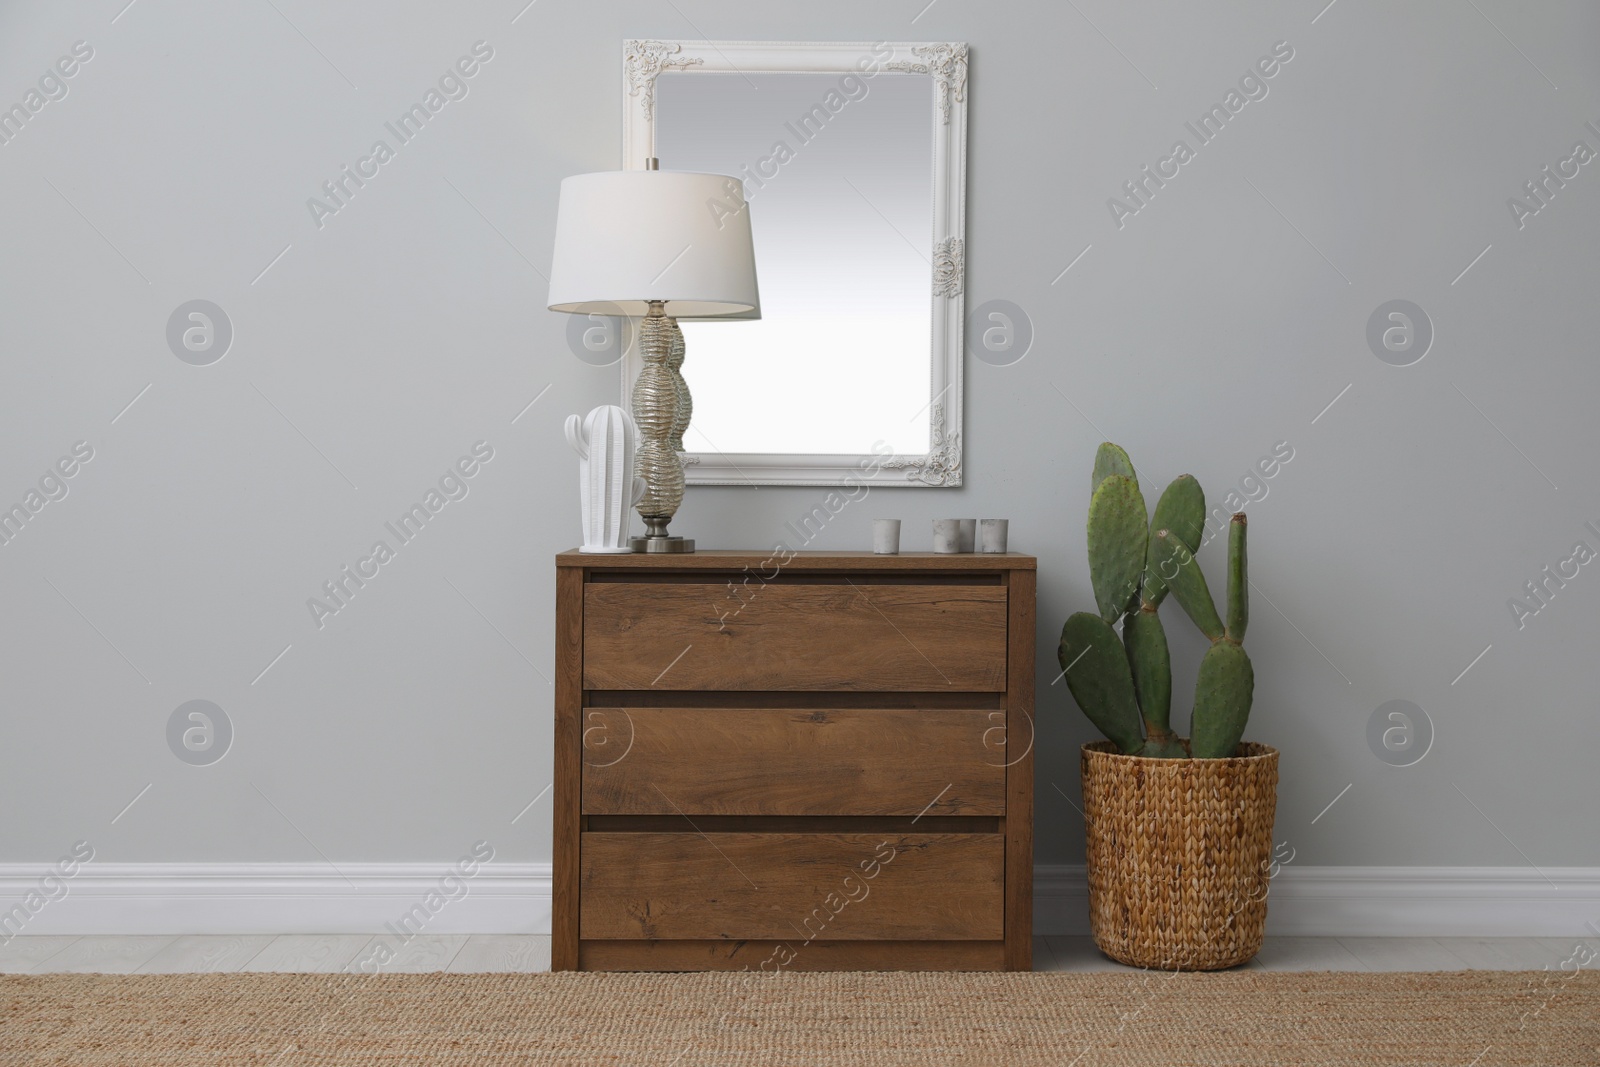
747,581
789,699
107,954
728,757
1020,726
423,954
834,886
568,768
795,954
794,824
309,953
23,953
503,953
201,954
768,563
816,637
744,761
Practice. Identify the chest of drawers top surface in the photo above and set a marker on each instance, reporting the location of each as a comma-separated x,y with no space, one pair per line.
738,559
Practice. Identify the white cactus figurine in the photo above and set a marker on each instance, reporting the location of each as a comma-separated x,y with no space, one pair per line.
606,442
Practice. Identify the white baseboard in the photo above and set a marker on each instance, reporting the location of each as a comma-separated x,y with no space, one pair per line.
280,898
506,898
1383,901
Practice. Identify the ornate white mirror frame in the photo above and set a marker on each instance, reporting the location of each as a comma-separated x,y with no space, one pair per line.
946,64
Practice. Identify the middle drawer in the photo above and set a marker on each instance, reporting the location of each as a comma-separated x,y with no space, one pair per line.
787,761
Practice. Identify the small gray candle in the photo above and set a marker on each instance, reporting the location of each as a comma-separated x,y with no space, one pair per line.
947,536
886,537
994,534
968,534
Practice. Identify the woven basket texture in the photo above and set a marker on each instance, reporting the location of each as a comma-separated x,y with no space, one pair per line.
1179,855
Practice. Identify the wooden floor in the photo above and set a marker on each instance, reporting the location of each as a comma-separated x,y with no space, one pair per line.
331,953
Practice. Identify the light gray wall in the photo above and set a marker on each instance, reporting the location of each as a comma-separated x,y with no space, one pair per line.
1220,320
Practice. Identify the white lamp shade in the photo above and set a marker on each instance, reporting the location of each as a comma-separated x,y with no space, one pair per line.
625,238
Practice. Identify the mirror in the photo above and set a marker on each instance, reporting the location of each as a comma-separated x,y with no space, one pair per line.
852,159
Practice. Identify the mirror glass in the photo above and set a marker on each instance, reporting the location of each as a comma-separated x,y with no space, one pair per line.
838,173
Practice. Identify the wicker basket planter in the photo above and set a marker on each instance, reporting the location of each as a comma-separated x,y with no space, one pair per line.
1179,852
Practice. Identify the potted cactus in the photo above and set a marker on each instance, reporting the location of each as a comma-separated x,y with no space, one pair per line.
1178,831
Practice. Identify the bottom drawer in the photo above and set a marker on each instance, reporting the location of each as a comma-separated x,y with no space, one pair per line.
821,886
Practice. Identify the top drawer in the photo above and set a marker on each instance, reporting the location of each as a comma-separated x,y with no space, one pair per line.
856,637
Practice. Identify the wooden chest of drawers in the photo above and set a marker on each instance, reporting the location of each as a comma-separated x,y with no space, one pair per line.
804,761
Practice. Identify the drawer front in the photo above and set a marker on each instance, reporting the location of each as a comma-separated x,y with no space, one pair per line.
795,887
852,637
775,761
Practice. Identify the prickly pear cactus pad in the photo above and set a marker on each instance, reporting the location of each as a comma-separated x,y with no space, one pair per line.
1182,510
1109,460
1222,697
1097,675
1117,535
1181,570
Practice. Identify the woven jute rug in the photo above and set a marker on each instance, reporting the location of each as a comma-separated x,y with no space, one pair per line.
1129,1019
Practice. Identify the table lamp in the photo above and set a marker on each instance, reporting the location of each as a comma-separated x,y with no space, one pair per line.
656,245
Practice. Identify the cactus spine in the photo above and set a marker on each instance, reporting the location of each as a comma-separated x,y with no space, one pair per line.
1132,567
